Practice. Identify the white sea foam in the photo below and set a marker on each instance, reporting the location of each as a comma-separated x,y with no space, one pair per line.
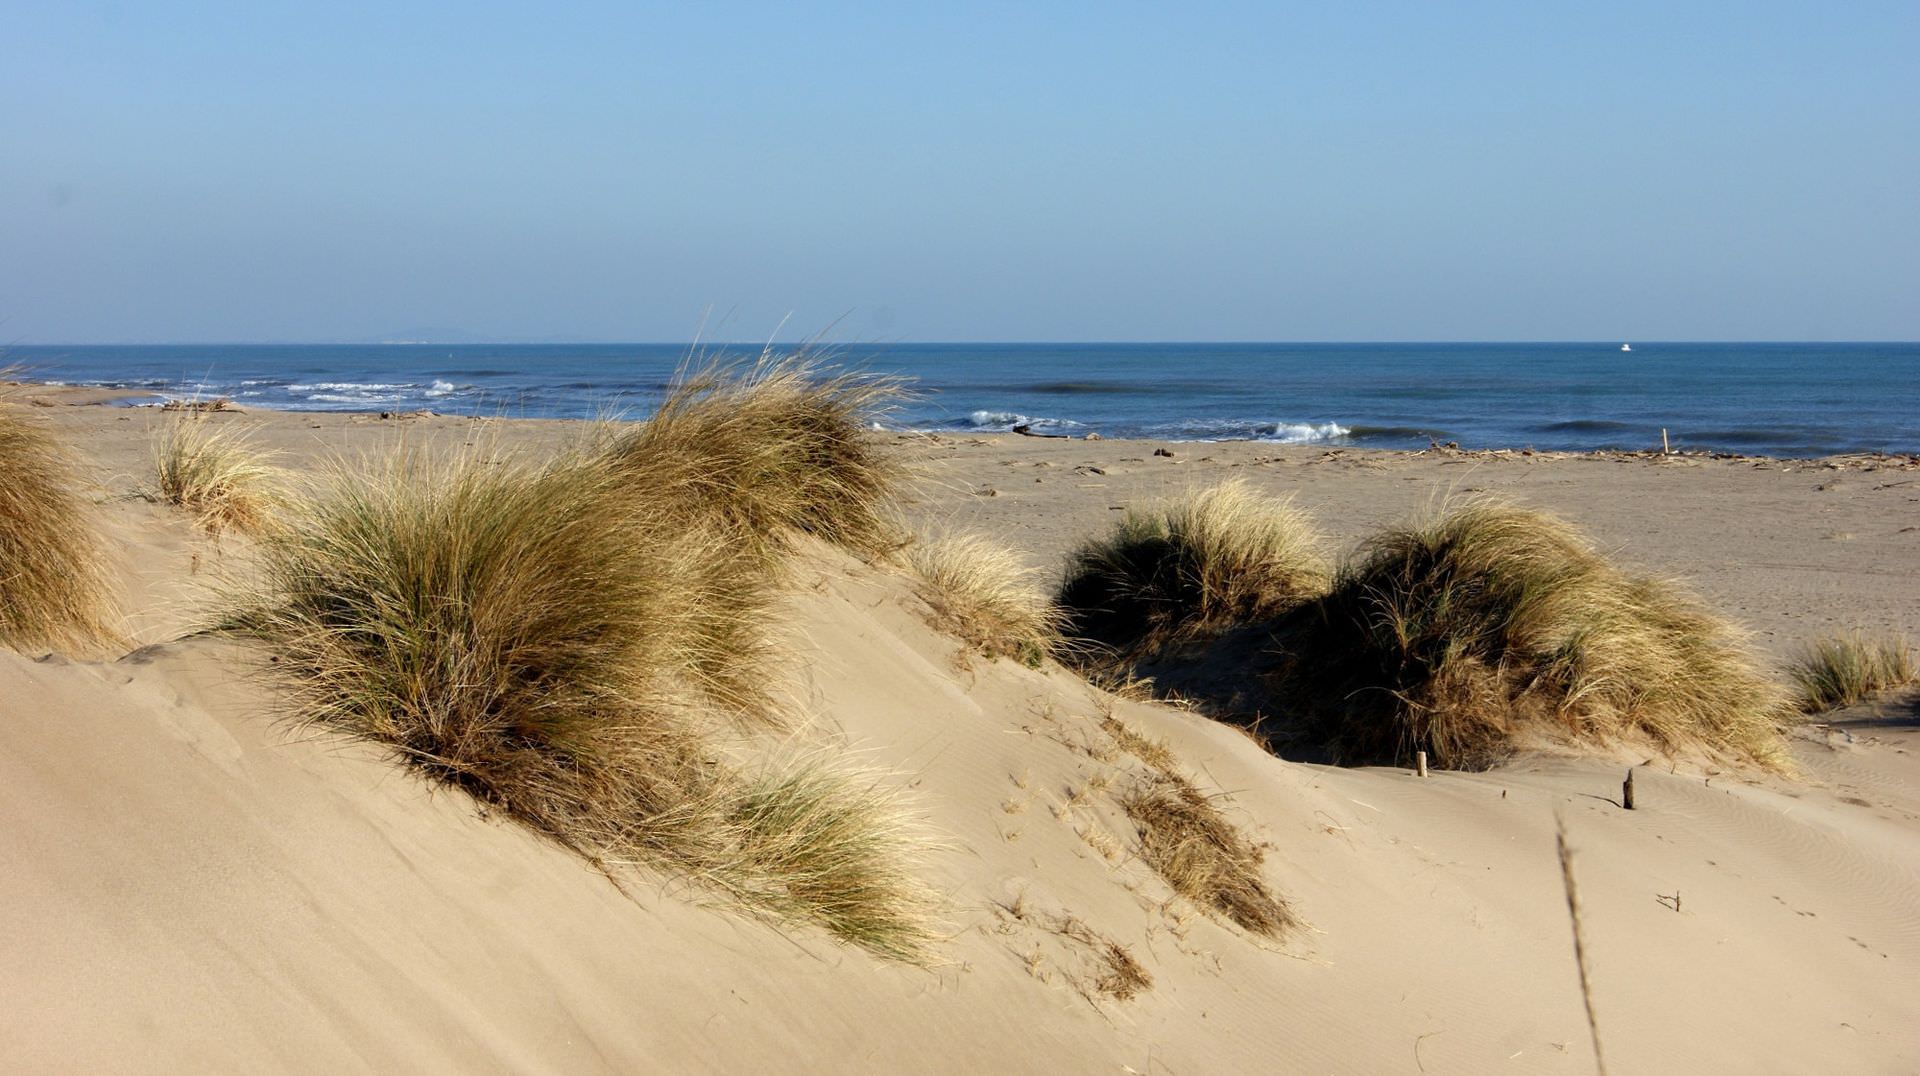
996,418
355,398
1299,432
348,386
1241,430
442,388
1006,420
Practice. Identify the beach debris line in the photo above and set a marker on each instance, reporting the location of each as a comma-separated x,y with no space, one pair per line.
217,403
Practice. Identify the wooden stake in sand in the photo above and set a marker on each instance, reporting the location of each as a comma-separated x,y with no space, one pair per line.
1664,449
1626,791
1420,763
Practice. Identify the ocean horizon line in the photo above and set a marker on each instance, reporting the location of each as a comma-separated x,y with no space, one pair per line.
1063,342
1782,398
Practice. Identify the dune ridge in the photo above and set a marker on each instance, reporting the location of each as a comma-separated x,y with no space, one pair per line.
201,888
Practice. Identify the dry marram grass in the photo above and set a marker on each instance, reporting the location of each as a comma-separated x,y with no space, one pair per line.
215,472
780,447
1493,625
743,461
1202,855
1192,568
54,588
1155,753
984,594
494,620
1113,972
1095,965
835,848
1852,668
530,632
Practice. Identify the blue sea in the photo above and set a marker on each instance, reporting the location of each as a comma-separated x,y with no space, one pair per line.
1774,398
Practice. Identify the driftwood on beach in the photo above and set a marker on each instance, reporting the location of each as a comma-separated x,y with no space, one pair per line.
1027,431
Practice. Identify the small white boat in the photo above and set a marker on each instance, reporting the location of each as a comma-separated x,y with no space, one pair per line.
1626,347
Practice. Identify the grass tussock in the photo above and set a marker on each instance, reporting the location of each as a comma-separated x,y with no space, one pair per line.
490,619
981,592
1202,855
1853,668
729,624
216,473
1192,568
832,847
778,448
742,461
54,588
1495,625
531,633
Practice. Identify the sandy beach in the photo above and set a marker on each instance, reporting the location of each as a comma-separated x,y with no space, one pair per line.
192,885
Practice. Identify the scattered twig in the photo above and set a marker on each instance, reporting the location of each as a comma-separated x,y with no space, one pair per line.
1416,1047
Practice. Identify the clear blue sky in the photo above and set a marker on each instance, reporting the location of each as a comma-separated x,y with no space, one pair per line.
1019,171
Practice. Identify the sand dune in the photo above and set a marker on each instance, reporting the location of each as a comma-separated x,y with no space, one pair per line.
190,886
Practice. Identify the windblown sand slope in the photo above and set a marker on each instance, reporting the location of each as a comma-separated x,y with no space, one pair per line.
189,886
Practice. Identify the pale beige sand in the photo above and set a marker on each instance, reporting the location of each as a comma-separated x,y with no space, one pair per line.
189,887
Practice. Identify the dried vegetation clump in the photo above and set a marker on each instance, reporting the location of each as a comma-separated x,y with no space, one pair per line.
1095,965
1186,839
